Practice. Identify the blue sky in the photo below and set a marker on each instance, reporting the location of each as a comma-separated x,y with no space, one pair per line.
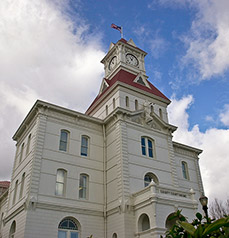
160,29
51,50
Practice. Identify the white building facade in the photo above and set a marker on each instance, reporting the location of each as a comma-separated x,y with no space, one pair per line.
111,172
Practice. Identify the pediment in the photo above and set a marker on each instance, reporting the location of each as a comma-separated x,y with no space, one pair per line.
103,87
142,79
150,120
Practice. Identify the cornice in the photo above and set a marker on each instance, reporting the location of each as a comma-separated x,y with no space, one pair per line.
44,108
185,149
139,118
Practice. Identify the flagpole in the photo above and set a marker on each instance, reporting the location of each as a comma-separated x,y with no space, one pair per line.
121,32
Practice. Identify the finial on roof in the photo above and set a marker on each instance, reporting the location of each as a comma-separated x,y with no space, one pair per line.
111,46
131,42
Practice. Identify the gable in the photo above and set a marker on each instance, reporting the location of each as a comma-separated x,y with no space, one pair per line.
150,120
128,79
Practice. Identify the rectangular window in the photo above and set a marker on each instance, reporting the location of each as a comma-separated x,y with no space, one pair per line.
83,186
147,146
185,170
60,182
74,234
62,234
150,148
84,146
28,144
22,151
15,192
143,146
63,140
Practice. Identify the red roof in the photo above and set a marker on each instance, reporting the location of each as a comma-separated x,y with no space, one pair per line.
4,184
128,78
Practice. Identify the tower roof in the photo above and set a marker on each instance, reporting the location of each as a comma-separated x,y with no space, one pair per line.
129,79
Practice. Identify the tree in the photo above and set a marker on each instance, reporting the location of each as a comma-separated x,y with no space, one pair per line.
218,209
199,228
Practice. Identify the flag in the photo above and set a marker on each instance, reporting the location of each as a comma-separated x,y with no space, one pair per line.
119,28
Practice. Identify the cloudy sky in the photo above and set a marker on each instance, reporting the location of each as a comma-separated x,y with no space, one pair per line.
51,50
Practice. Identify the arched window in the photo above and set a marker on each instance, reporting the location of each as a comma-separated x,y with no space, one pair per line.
15,192
106,110
147,146
28,144
84,145
68,228
136,104
12,230
113,103
127,101
149,177
63,140
185,170
114,235
170,222
151,109
60,182
143,223
83,186
22,151
160,113
22,185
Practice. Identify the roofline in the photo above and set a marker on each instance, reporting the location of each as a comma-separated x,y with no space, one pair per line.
4,194
34,110
187,147
131,113
118,83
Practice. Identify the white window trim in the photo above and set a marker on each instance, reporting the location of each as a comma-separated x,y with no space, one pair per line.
146,138
87,186
88,146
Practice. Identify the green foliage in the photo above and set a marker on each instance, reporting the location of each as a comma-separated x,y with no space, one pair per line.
199,228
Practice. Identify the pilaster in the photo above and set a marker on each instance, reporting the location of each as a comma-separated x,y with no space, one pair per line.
172,161
37,156
122,161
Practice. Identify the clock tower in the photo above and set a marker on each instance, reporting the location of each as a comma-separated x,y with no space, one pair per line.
124,55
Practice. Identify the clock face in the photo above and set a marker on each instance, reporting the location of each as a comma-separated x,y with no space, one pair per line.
112,63
131,59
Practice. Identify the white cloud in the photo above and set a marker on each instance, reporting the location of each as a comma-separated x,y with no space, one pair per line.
208,39
224,116
42,58
214,161
209,118
158,46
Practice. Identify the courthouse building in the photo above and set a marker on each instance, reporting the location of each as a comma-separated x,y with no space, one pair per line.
112,172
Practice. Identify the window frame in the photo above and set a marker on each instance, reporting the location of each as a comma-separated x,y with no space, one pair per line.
85,147
127,102
63,143
21,152
68,230
160,113
141,224
28,144
147,147
22,185
63,183
184,167
114,103
136,104
15,192
12,229
84,186
153,177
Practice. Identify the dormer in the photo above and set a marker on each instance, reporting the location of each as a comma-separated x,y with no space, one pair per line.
124,55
